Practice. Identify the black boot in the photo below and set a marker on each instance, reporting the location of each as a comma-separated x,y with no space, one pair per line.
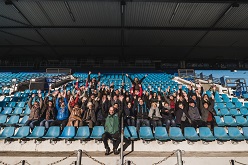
116,152
107,151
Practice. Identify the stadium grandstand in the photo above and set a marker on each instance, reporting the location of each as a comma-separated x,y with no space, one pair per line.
127,82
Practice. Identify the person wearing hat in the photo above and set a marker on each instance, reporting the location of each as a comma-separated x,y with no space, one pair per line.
89,117
35,114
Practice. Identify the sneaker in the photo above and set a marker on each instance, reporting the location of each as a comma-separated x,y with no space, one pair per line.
116,152
107,151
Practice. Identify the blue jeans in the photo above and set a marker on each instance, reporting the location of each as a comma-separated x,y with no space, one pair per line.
32,123
130,122
142,122
156,123
46,123
168,123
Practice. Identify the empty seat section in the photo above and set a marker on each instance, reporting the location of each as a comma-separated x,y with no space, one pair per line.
146,133
176,134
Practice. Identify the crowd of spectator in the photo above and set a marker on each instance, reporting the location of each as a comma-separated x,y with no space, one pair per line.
89,105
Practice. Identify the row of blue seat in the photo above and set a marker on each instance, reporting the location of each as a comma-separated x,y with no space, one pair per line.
17,111
232,111
13,104
145,133
190,134
230,105
231,121
14,120
4,92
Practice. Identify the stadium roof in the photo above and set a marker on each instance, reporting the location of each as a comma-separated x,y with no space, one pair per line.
167,29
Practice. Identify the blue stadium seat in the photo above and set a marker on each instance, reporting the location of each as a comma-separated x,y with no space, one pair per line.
34,91
23,120
26,111
7,132
244,111
235,134
23,99
245,132
176,134
52,133
241,121
224,112
246,105
21,133
146,133
217,111
229,121
219,121
245,96
24,95
191,134
7,99
11,104
13,120
83,133
3,119
220,134
235,99
21,104
17,111
6,111
205,134
17,94
230,105
6,92
238,104
27,91
3,103
37,133
218,99
68,132
161,134
14,99
220,105
130,132
97,132
235,112
225,98
237,93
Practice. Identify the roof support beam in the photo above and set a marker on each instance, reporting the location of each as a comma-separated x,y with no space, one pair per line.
174,1
127,28
119,46
123,5
30,24
209,30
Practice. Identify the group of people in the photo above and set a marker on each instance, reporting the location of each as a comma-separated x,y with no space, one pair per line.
96,104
